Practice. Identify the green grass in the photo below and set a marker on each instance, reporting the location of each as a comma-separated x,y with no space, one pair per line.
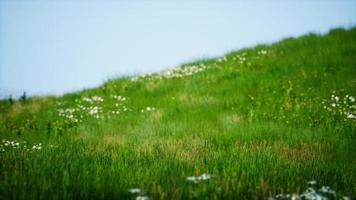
260,120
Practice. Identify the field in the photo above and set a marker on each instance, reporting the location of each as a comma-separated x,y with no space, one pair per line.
264,122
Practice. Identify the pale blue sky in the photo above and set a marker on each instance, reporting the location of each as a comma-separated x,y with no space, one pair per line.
59,46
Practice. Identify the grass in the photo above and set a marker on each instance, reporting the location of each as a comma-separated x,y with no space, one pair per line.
261,121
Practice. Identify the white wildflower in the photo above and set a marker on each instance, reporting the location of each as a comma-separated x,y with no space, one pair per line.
204,177
197,179
192,179
312,182
135,190
262,52
142,198
327,189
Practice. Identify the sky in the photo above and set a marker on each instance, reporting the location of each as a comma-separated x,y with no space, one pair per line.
58,46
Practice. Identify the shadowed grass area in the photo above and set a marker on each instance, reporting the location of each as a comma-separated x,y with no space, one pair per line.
261,121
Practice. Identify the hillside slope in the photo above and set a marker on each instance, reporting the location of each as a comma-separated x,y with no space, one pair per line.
254,123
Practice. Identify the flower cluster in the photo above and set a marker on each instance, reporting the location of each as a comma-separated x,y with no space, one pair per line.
8,145
188,70
119,107
69,114
148,76
93,107
94,111
119,110
93,99
37,147
182,71
148,109
177,72
241,58
140,194
142,198
119,98
262,52
197,179
344,106
223,59
324,193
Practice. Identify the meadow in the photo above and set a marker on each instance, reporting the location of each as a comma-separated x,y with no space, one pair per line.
276,121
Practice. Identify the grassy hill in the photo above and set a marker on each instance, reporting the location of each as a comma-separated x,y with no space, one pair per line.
256,123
